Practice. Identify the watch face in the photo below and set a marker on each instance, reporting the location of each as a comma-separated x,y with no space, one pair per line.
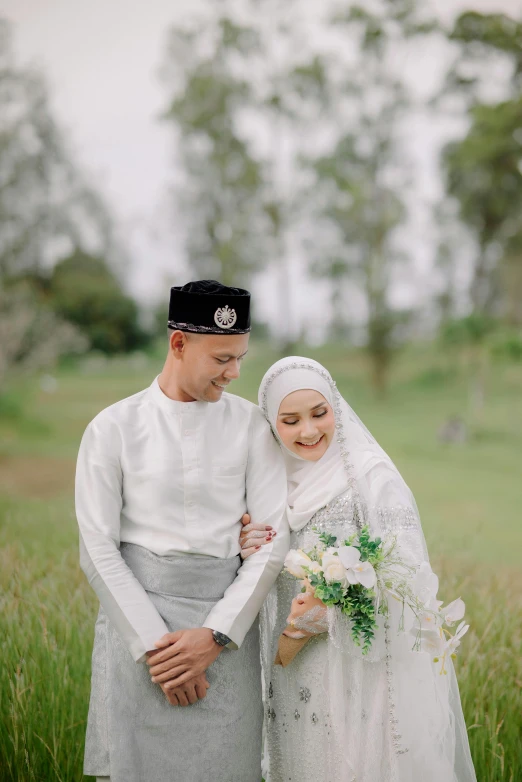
220,638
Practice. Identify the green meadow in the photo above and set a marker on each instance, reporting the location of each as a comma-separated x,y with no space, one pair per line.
469,496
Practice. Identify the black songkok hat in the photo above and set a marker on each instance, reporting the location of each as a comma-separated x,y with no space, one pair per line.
208,307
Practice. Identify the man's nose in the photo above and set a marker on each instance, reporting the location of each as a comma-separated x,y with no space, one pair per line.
233,370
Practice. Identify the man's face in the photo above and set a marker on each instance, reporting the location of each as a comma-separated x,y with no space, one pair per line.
209,362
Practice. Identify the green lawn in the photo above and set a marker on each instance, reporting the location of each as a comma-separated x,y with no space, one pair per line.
469,496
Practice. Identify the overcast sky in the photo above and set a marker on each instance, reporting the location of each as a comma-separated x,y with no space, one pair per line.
101,59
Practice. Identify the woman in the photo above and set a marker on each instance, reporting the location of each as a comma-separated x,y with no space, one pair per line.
332,714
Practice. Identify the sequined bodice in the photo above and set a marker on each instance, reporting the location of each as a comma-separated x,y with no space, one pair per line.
339,517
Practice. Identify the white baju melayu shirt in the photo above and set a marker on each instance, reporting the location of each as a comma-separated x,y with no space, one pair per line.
175,478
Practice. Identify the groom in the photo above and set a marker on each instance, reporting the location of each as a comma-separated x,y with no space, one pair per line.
163,479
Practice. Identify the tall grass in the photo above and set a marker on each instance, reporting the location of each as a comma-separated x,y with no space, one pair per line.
470,499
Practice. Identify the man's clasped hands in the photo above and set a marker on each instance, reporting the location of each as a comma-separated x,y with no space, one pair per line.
180,663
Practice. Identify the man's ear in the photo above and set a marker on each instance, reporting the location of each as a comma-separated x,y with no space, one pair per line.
177,343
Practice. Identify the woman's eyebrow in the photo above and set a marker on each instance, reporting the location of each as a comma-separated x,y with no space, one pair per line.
284,415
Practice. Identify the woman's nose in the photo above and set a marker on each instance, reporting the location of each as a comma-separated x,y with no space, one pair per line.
309,429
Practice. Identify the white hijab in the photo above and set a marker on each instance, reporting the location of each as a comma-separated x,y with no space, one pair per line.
354,458
310,484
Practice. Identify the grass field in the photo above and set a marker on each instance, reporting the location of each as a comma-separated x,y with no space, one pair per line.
470,498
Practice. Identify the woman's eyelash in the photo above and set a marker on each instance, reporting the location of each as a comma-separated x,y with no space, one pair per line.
292,423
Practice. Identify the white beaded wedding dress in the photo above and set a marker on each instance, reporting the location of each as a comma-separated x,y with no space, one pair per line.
333,715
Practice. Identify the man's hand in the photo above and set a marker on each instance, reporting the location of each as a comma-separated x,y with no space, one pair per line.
184,655
189,693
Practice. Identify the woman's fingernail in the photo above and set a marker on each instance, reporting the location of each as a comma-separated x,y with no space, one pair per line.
257,547
269,528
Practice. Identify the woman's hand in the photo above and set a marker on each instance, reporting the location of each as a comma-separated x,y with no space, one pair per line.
253,536
308,617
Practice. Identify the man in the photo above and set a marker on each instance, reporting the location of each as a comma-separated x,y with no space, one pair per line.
163,479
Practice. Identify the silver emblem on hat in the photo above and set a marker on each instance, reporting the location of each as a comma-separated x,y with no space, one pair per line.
225,317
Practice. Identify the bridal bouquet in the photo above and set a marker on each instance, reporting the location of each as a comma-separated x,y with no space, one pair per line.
361,574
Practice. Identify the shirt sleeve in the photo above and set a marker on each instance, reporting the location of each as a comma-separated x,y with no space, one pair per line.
99,485
266,495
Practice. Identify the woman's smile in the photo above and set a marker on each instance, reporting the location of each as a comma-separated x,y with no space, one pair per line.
310,446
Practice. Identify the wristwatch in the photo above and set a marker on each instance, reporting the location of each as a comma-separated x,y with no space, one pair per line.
220,638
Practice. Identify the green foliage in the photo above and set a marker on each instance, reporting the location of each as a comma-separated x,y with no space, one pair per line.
371,550
327,539
84,291
490,32
482,169
473,329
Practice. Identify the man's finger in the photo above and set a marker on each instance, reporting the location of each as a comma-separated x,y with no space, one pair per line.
168,639
181,680
190,692
168,665
201,689
167,676
165,654
171,697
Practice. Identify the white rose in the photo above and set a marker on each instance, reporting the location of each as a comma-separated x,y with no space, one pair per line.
315,567
295,561
333,568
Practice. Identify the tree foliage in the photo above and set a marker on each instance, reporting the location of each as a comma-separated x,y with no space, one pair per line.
82,290
483,170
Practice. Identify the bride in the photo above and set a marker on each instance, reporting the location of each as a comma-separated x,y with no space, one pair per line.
332,715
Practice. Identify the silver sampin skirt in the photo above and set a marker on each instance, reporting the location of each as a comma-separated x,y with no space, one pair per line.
133,733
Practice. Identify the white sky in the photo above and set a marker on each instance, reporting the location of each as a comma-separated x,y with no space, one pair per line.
101,59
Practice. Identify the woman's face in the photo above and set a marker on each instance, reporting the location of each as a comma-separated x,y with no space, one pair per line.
306,424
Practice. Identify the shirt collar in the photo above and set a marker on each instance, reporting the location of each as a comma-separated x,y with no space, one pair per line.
174,405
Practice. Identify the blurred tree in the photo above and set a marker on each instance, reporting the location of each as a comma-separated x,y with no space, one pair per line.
361,182
483,169
220,191
33,337
471,336
84,291
45,206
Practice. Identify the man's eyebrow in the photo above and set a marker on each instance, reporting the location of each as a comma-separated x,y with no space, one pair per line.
321,404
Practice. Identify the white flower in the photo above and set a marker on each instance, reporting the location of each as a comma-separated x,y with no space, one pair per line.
433,641
453,612
295,561
357,572
333,568
425,584
454,642
315,567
